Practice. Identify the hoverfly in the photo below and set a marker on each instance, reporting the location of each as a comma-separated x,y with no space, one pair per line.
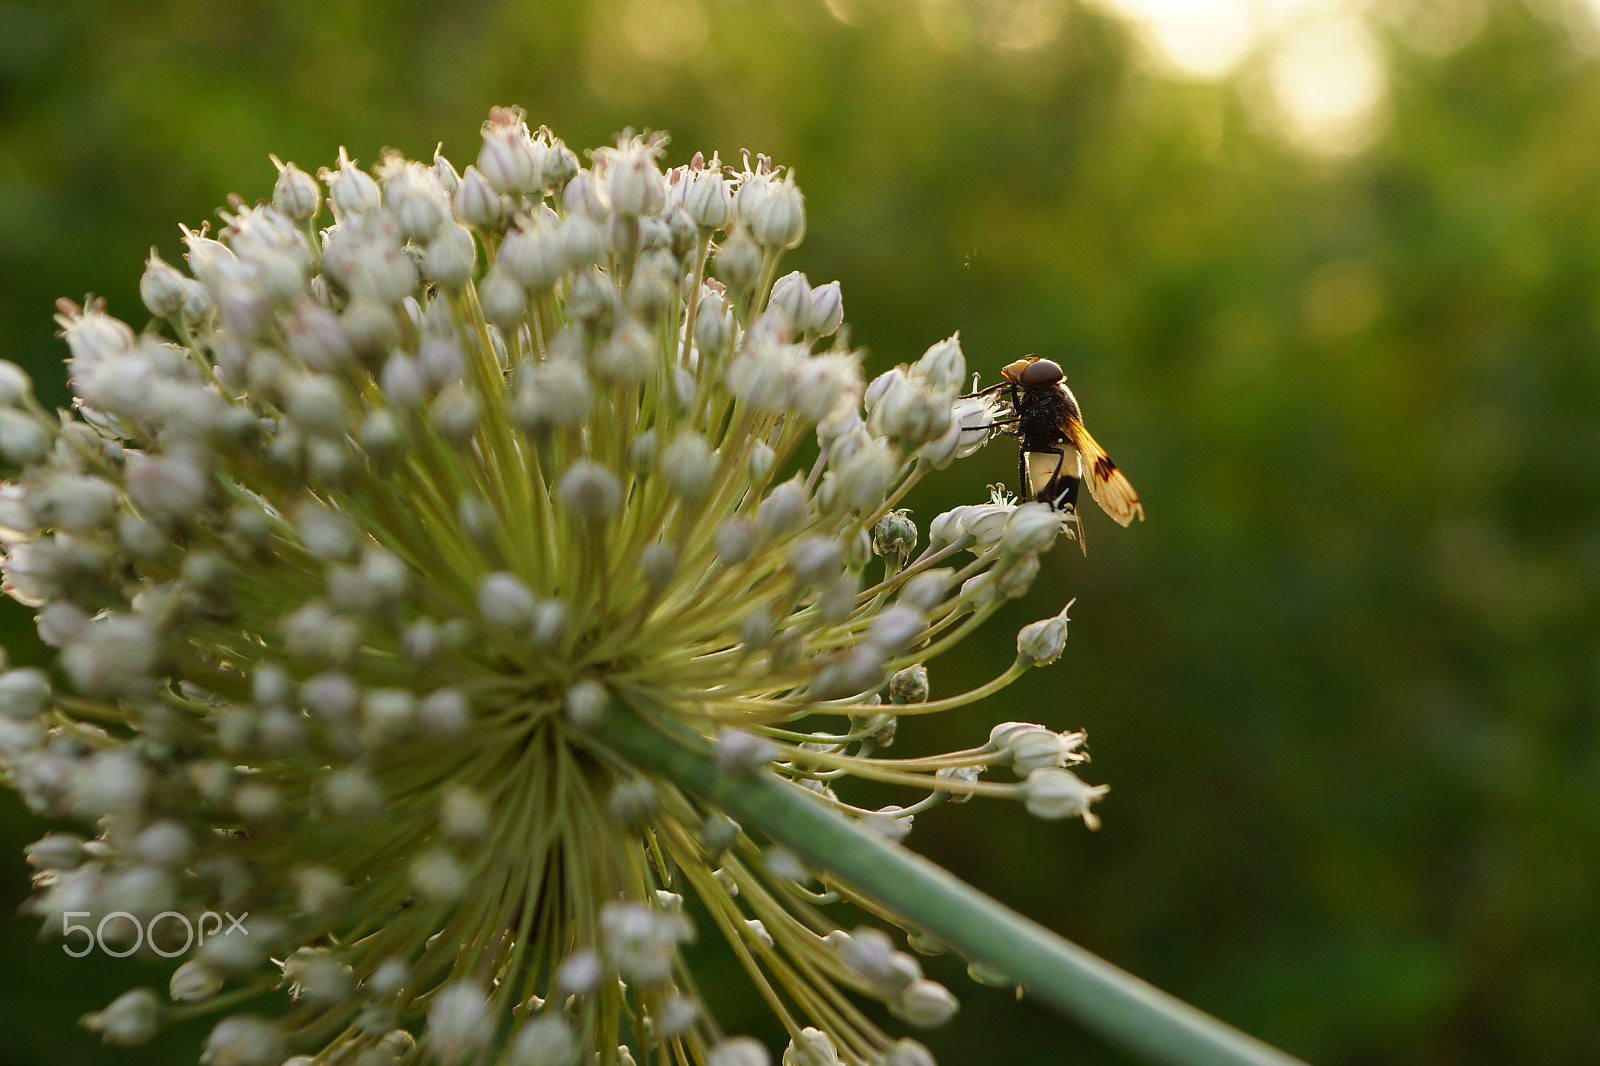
1056,452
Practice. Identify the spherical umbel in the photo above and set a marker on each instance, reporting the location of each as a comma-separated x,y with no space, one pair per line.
351,557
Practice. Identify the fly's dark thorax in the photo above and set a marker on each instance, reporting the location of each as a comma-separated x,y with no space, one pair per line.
1042,411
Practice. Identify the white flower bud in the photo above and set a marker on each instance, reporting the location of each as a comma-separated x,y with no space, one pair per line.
633,184
740,751
161,287
317,403
784,510
658,564
170,487
688,465
865,477
585,195
759,375
976,419
506,158
549,623
1031,529
444,172
533,254
464,813
194,982
132,1018
778,221
331,695
545,1041
419,203
819,385
628,355
707,199
502,297
439,877
943,365
632,801
56,852
166,844
24,692
15,384
738,1051
585,703
553,395
23,440
895,627
243,1040
477,204
735,539
1052,792
870,953
675,1015
812,1047
889,822
1040,643
713,325
1014,576
352,190
910,412
352,793
907,1052
458,1019
642,453
738,260
402,381
296,193
451,256
791,298
985,523
387,715
579,973
444,713
581,241
814,559
454,413
1032,748
925,1004
504,600
826,313
590,491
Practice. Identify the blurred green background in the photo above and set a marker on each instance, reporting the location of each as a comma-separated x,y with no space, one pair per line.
1325,277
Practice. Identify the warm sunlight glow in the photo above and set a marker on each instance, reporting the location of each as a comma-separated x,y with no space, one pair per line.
1197,38
1328,81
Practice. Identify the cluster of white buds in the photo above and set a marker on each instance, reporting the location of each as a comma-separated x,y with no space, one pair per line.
350,552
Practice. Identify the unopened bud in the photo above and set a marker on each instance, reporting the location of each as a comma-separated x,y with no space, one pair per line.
590,491
161,287
1040,643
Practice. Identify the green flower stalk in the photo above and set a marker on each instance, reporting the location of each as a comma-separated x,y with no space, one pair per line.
353,553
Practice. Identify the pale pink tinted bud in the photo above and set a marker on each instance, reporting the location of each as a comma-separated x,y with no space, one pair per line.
633,182
827,310
477,202
944,365
161,287
779,220
296,193
506,158
707,198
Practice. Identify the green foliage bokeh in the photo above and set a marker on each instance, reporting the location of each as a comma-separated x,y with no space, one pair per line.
1344,681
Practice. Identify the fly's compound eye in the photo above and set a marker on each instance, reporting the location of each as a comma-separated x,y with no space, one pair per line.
1041,372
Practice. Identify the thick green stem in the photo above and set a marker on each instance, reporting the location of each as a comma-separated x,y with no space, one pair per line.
1120,1007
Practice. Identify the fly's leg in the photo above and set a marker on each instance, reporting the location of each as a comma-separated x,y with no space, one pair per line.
1060,491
